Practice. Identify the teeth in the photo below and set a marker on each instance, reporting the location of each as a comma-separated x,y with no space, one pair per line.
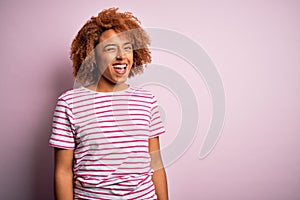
120,66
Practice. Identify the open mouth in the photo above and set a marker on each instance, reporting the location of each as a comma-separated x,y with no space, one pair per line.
120,68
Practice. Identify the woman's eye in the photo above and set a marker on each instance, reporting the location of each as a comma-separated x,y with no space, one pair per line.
128,48
110,49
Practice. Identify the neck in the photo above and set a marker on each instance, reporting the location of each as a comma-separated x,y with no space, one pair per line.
105,86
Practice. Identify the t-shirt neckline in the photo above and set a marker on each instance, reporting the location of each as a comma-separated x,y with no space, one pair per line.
113,92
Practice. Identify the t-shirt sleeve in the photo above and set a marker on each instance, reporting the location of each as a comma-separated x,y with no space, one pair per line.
156,126
62,132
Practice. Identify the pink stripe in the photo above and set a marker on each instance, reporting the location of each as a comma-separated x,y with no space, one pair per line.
116,110
60,146
110,142
104,158
119,142
64,141
96,170
120,127
155,107
109,96
57,112
82,130
118,95
114,137
103,149
80,106
157,134
97,165
85,196
74,97
115,120
159,122
132,168
63,106
113,131
144,190
56,116
111,116
61,135
57,122
103,193
61,129
72,93
152,190
154,119
104,154
140,162
110,106
83,100
153,130
66,119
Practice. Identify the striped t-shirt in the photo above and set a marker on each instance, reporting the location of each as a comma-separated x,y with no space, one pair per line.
109,133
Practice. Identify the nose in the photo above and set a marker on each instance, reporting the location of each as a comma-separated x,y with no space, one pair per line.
120,54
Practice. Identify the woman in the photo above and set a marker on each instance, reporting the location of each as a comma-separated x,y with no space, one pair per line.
106,132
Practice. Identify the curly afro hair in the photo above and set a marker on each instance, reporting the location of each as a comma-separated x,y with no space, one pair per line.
82,49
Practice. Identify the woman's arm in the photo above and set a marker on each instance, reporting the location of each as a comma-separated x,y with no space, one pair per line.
63,175
159,176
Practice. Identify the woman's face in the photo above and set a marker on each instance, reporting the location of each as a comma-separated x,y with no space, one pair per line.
114,57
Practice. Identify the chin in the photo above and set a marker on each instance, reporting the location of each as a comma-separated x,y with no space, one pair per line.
119,80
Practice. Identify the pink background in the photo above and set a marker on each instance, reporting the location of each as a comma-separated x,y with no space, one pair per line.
255,46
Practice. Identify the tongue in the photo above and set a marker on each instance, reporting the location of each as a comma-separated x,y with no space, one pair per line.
120,70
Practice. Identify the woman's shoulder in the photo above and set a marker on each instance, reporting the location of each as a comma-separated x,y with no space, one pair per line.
142,91
71,93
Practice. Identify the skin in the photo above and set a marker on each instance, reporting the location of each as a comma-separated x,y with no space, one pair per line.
63,174
111,50
159,176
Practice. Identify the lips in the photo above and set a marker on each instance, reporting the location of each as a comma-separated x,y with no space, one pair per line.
120,68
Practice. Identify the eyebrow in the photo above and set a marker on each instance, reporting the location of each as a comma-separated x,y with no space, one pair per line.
112,44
